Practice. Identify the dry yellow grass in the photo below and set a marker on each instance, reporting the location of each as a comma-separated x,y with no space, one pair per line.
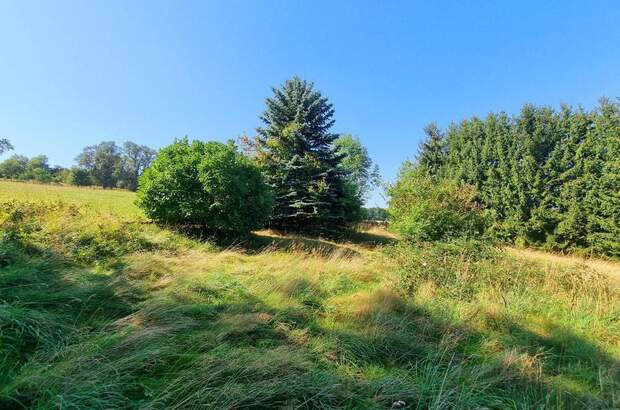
607,267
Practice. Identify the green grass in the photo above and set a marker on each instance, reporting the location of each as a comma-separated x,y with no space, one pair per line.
95,313
117,201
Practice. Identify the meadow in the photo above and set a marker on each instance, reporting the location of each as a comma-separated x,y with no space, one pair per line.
96,312
110,201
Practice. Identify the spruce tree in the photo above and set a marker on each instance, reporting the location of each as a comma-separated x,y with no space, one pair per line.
296,152
432,152
547,178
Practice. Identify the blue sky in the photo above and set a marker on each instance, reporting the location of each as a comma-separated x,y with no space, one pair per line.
80,72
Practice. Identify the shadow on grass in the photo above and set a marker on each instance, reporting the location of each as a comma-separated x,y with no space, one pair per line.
235,350
266,240
370,238
414,356
48,302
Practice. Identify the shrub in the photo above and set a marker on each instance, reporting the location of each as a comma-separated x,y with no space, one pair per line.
426,208
457,267
208,184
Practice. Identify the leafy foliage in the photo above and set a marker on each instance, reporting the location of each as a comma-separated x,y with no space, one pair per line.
432,153
36,169
103,162
79,177
356,161
295,150
135,159
208,184
14,167
5,145
112,166
376,214
425,208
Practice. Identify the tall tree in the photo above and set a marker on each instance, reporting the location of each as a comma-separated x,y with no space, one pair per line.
296,152
103,161
362,172
14,167
432,152
135,159
38,169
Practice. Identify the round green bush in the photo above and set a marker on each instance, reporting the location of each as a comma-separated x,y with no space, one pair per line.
209,184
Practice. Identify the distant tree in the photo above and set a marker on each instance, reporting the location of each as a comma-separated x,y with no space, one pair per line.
38,169
5,145
209,184
79,177
14,167
60,174
135,159
103,161
295,149
376,214
359,167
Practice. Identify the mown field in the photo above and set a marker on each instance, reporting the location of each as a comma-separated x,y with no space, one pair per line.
99,313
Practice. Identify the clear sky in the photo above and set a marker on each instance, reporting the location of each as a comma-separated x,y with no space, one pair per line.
80,72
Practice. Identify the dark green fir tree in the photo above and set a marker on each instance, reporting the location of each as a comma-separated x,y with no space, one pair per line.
296,152
432,152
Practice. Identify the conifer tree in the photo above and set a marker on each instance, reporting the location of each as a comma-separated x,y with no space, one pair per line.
547,178
296,152
432,152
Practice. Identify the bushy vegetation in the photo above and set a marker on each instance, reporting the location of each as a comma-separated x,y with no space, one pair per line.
208,184
362,173
375,214
109,165
548,178
319,179
32,169
97,313
426,208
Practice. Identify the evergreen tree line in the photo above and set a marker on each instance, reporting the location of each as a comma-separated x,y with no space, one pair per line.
545,177
106,164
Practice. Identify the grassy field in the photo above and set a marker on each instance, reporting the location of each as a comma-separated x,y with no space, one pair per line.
95,313
117,201
551,260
